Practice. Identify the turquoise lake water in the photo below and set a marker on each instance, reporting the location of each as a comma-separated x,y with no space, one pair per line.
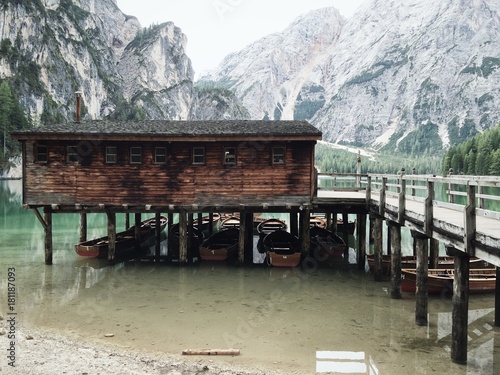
314,321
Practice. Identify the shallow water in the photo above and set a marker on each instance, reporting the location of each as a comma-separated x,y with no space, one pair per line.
299,321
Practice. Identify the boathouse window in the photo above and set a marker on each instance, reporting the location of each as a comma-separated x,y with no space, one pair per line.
41,154
135,155
278,155
160,155
111,155
72,154
230,155
198,155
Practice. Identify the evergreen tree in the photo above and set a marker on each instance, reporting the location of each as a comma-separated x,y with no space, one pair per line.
6,106
495,163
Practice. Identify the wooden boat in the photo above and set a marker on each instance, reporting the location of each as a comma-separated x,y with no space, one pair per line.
283,249
125,241
270,225
230,222
325,244
315,221
194,242
221,245
481,280
205,222
410,261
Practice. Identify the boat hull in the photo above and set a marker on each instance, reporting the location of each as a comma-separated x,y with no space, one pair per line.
220,246
282,249
440,281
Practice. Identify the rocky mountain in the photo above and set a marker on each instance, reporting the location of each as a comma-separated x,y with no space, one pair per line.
49,49
414,75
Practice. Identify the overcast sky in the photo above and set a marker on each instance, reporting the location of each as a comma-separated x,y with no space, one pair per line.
217,27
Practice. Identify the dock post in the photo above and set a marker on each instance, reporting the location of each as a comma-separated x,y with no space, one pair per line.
345,236
183,240
111,237
395,241
47,216
241,242
137,231
157,236
460,312
210,224
421,292
433,253
305,230
294,223
361,239
83,227
497,298
190,236
377,246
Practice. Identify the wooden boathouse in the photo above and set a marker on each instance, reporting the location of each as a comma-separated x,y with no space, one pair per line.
255,166
181,167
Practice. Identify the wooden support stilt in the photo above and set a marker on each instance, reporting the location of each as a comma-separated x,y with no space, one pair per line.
361,238
305,230
460,312
137,231
211,224
395,241
157,236
421,293
345,235
433,253
334,222
111,237
83,227
47,217
249,238
497,298
127,220
377,246
183,240
241,242
190,233
328,217
294,223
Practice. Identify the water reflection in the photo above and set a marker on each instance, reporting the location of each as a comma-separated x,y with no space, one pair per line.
298,321
333,362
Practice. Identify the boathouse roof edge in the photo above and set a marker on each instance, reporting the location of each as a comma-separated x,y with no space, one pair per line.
175,129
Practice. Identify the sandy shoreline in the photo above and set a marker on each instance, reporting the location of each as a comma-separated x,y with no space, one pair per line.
40,352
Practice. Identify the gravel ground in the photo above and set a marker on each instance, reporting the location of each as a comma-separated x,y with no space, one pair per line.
47,353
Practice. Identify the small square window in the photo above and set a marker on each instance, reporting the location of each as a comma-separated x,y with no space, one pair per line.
111,155
41,154
72,154
198,155
135,155
278,155
160,155
230,155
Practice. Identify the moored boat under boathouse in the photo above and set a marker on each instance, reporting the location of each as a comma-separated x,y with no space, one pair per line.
187,168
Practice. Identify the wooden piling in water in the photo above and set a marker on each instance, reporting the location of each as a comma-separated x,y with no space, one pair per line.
305,230
241,242
111,237
157,236
395,241
361,240
83,227
497,298
377,246
47,218
459,335
421,292
183,240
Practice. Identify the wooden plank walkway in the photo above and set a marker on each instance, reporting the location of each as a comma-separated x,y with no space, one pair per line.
448,220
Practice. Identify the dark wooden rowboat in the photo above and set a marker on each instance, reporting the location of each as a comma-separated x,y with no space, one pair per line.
194,242
125,241
283,249
230,222
410,261
270,225
205,222
439,281
325,245
221,245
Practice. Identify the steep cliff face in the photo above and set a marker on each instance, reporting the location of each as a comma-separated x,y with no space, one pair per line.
52,48
413,75
270,75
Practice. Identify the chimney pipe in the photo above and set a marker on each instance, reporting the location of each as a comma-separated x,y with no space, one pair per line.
78,106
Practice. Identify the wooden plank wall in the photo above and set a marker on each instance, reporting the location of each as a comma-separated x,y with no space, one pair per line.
91,181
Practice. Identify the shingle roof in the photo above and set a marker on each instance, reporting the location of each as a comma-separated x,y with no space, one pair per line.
178,128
